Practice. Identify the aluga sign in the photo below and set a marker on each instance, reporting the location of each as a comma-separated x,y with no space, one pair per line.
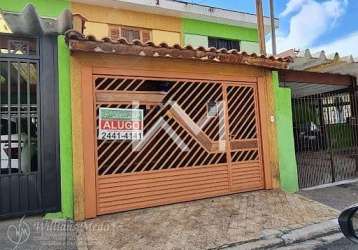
120,124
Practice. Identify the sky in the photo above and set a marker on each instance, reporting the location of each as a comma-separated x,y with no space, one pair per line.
330,25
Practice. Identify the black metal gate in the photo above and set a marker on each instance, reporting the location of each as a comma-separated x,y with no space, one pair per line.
326,137
27,177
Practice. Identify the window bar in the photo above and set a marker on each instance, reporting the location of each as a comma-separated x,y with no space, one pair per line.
9,115
28,118
28,127
38,130
38,133
19,167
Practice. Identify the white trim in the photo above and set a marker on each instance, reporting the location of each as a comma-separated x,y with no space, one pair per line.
184,10
330,185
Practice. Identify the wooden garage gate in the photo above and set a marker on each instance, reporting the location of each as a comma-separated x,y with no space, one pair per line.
201,139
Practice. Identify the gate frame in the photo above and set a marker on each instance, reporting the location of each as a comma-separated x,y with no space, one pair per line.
89,65
48,116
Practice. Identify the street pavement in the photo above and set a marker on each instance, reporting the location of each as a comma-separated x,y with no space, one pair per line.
342,244
338,197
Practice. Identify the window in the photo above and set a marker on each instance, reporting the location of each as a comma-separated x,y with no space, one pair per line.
129,33
19,117
220,43
18,46
337,109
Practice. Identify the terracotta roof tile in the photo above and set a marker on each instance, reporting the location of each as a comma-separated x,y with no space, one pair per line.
79,42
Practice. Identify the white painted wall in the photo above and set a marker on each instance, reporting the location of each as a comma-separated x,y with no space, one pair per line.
196,40
250,47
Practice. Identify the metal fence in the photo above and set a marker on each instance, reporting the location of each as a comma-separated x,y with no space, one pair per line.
326,137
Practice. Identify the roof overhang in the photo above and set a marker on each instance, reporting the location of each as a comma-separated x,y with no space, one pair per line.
292,76
78,43
317,73
306,83
28,22
185,10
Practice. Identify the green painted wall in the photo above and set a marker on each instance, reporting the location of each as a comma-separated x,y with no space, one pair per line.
52,8
190,26
285,139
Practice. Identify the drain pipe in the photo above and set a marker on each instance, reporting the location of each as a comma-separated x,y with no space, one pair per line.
273,28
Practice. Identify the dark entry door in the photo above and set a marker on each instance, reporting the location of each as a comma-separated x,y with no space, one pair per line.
27,175
325,129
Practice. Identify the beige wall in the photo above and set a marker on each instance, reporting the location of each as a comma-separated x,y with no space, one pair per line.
127,17
99,30
171,38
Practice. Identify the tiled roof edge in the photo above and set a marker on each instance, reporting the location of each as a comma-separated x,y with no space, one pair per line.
122,46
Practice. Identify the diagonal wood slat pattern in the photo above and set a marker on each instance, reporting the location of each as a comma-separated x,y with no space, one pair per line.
244,132
242,114
161,150
186,153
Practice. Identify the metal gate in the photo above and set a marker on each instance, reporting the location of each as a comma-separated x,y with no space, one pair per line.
24,168
326,137
201,139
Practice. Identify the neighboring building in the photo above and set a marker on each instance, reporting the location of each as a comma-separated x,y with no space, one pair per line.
323,62
326,112
36,163
171,22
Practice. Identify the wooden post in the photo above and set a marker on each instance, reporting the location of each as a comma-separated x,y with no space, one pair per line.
260,26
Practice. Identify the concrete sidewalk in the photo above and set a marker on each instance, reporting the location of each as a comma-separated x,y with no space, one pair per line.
209,224
241,221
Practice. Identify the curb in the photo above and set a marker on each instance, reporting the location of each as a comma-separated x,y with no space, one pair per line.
320,231
313,243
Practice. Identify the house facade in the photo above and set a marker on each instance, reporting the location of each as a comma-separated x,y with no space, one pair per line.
106,172
327,110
